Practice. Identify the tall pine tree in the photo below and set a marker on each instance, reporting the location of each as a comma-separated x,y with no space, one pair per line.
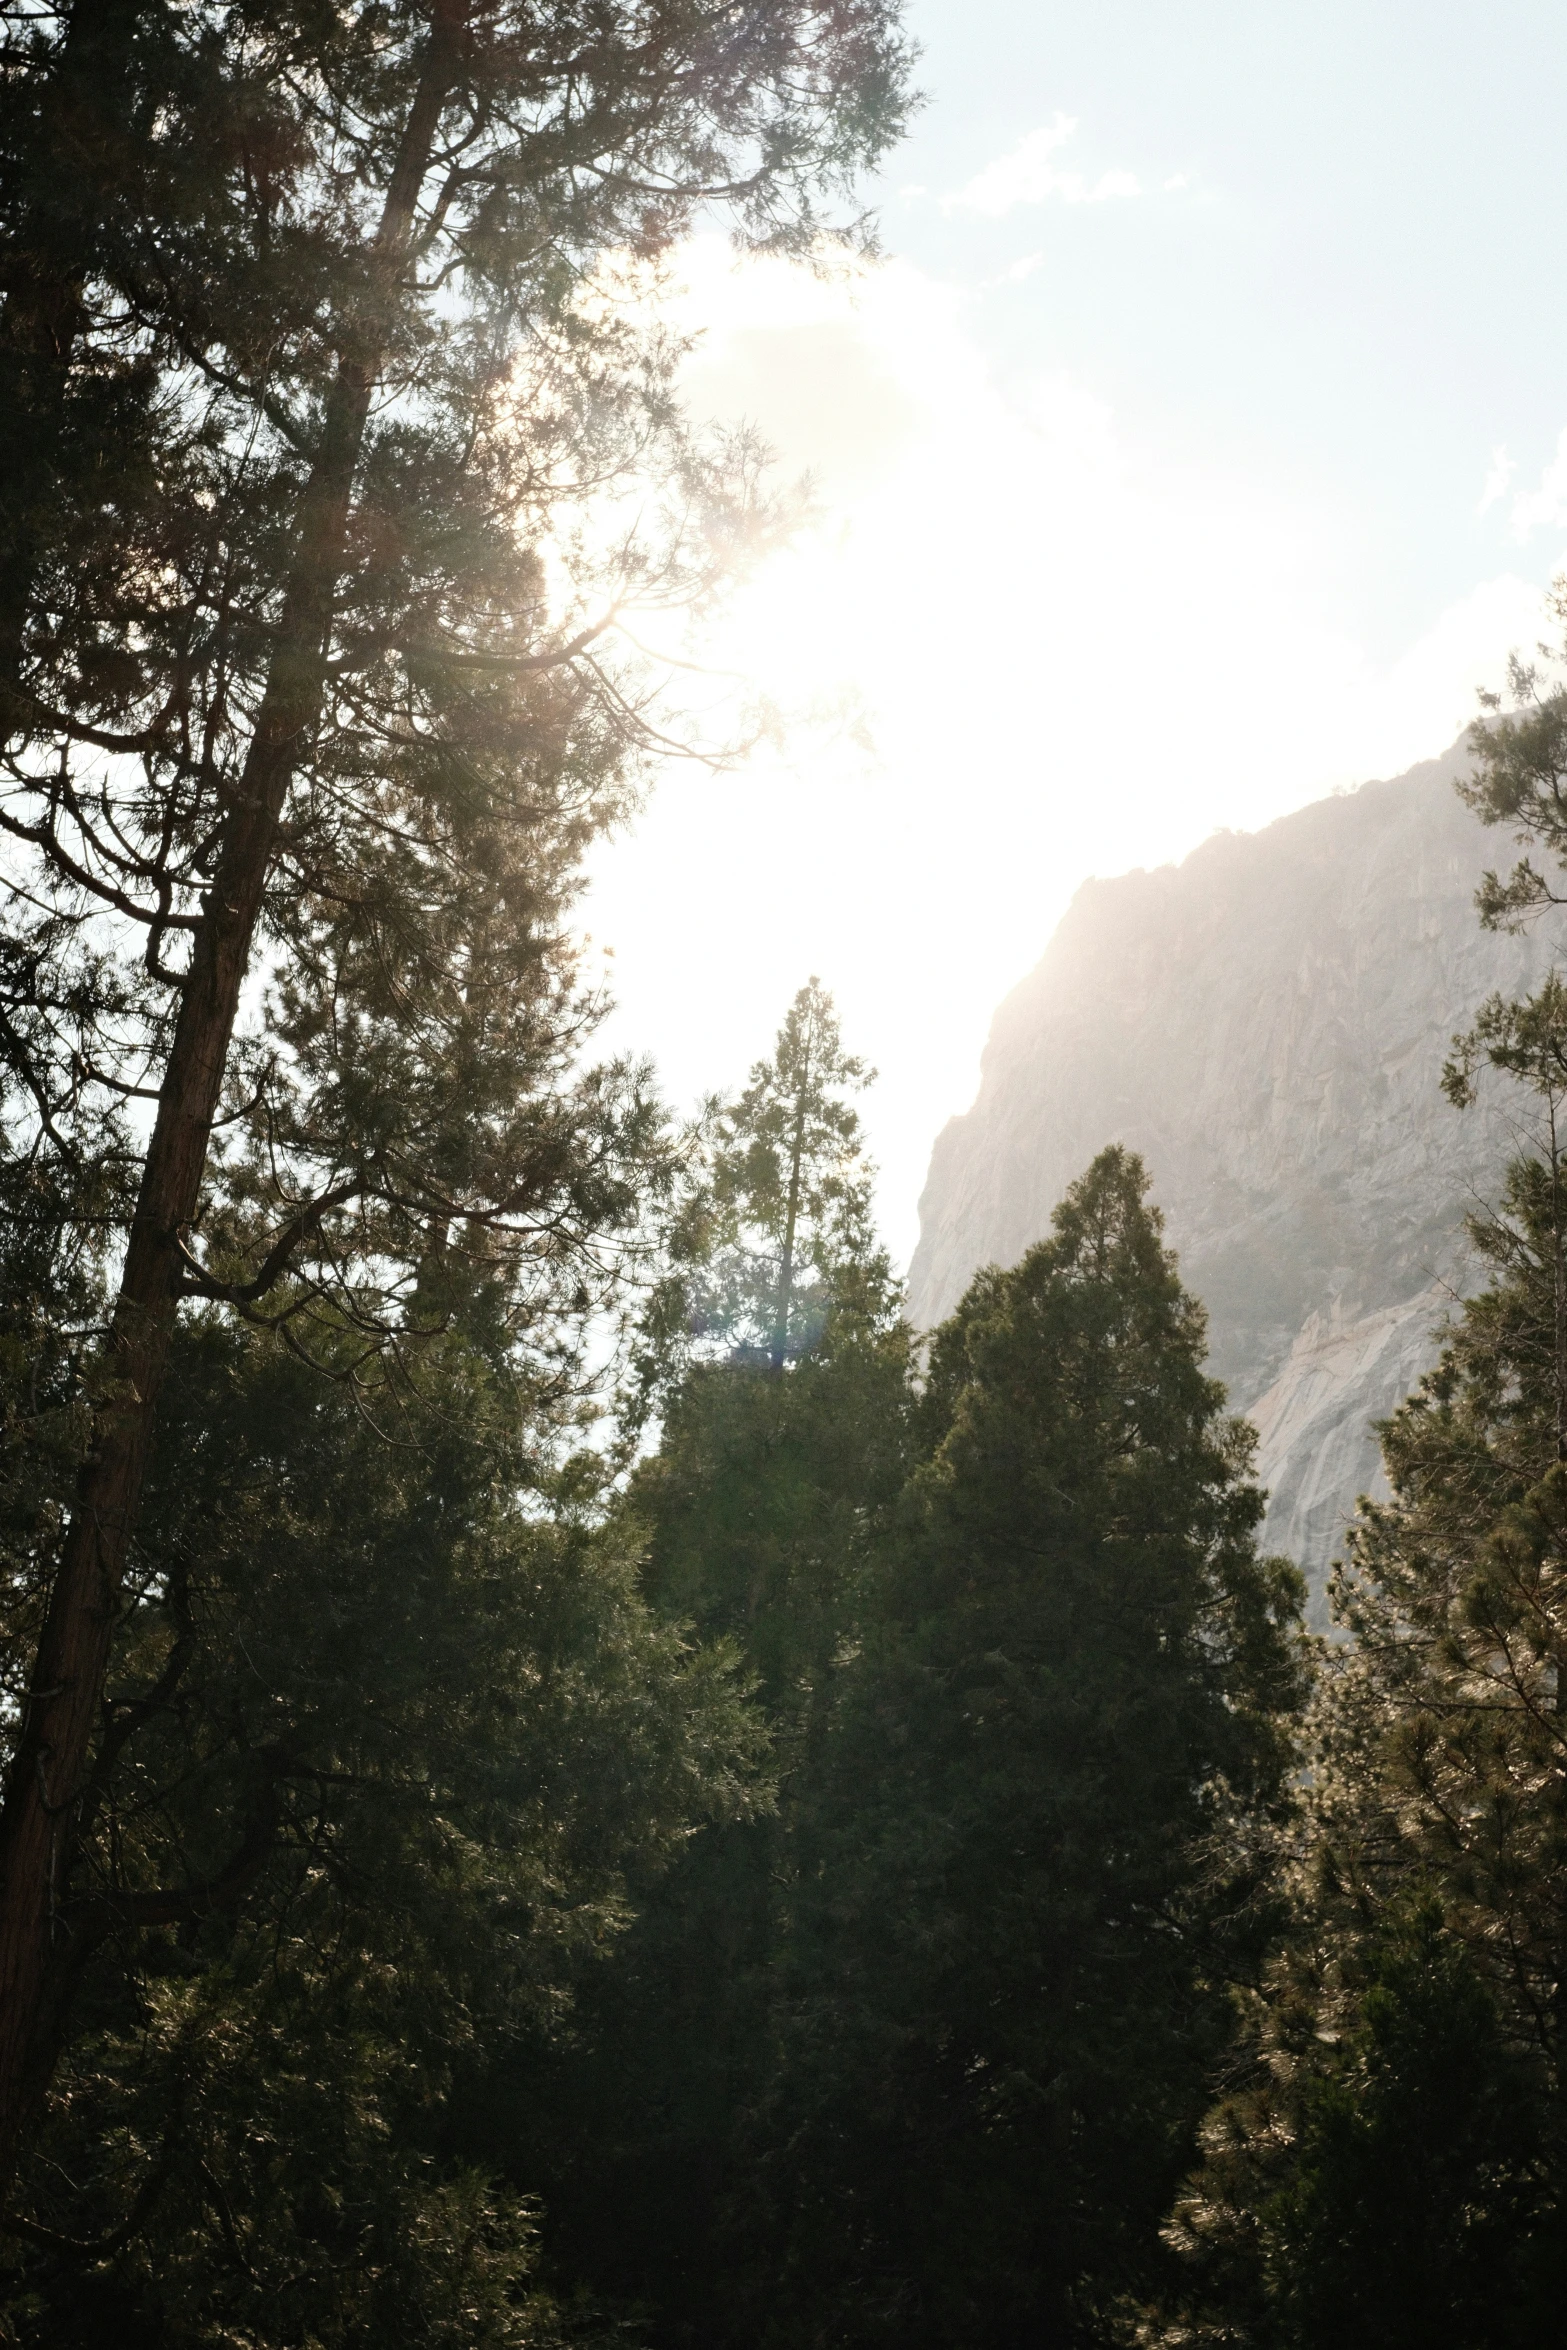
1398,2165
783,1379
326,396
1026,1880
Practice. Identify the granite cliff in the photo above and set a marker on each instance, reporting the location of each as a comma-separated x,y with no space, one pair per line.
1266,1024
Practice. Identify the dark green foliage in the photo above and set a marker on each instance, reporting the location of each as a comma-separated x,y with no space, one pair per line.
1388,2178
343,434
49,1300
1443,1737
194,205
397,1906
385,1741
1028,1882
759,1515
1395,2170
919,2056
1518,780
1416,2176
760,1500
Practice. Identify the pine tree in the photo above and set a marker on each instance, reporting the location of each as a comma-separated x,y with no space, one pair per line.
389,1732
327,397
776,1229
758,1514
1027,1879
785,1366
1400,2156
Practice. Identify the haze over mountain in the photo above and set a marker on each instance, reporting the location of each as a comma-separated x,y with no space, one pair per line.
1266,1023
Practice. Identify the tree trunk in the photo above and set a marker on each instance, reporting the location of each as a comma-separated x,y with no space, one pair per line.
45,1784
791,1221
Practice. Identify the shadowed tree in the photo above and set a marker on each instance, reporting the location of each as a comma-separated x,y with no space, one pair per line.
1028,1874
758,1515
387,1730
317,710
1399,2159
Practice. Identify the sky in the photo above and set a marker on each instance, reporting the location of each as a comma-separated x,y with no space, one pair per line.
1198,448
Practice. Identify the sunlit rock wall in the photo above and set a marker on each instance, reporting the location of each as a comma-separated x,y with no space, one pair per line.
1266,1024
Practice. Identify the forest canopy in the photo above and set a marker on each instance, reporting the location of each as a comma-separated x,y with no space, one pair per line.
569,1776
319,403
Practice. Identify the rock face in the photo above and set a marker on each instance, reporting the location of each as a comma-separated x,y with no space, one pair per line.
1266,1024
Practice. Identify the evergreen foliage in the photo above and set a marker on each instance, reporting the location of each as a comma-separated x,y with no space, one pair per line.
1029,1881
1520,769
1416,2168
344,439
776,1232
918,2055
759,1515
1395,2172
386,1740
822,1873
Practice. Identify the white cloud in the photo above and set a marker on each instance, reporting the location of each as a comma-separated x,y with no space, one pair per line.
1501,472
1028,176
1548,502
1015,273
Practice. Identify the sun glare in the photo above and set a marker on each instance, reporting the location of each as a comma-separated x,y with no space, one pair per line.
1009,649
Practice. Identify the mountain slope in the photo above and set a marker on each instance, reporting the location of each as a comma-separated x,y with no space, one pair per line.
1266,1024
